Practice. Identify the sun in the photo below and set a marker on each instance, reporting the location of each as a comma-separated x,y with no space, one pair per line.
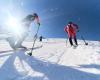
14,25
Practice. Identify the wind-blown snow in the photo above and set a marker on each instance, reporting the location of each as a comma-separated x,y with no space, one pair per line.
52,59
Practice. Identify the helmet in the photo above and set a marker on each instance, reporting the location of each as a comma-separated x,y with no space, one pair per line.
70,22
35,15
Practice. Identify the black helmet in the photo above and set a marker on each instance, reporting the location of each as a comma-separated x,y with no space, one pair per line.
70,22
35,15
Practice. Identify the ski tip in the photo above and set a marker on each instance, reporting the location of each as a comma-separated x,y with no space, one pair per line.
75,46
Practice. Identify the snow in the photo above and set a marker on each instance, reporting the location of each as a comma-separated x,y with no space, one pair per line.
52,59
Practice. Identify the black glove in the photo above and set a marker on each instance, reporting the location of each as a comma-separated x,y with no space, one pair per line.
38,24
77,30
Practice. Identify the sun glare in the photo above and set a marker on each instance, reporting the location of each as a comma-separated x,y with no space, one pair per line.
14,25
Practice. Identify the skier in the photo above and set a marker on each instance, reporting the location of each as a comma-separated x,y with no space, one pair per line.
16,41
40,38
71,30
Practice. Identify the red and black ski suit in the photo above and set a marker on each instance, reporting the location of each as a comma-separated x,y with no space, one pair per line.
71,29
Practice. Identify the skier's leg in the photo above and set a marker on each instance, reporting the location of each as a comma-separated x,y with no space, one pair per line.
11,41
20,41
75,40
70,40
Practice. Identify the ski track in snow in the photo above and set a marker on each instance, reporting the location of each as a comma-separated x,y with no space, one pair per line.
52,59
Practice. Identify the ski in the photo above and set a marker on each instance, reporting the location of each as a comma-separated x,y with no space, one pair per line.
74,46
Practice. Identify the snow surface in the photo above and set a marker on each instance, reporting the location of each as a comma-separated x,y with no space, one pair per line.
52,59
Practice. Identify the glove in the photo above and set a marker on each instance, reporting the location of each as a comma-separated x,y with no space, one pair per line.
38,24
77,30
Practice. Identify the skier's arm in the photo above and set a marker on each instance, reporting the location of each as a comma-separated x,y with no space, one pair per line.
37,20
65,29
77,28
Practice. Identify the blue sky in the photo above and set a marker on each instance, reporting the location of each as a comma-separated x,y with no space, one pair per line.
55,14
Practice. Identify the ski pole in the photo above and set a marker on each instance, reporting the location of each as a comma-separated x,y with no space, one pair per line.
66,42
84,40
35,38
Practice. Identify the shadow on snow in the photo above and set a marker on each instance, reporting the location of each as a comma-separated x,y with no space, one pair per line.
52,71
